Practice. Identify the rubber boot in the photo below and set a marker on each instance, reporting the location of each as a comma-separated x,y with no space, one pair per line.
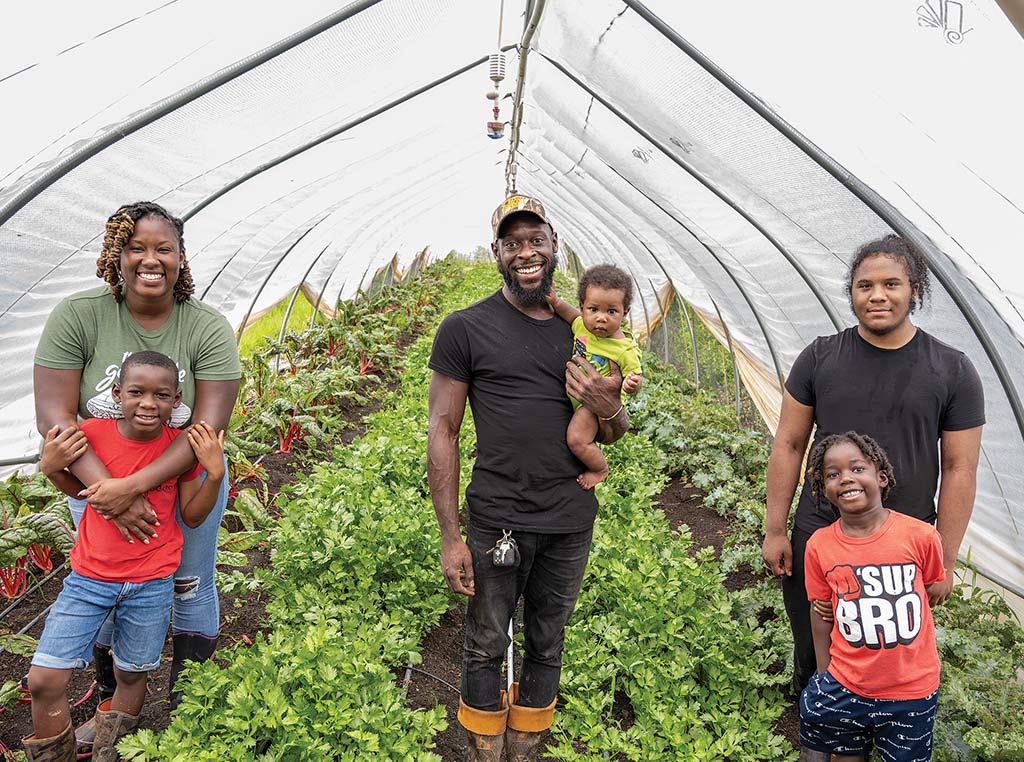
527,726
188,647
60,748
106,684
111,726
485,731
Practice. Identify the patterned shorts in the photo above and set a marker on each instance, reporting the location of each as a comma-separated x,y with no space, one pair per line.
834,719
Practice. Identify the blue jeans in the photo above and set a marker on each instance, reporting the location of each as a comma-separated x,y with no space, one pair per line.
548,578
140,609
196,605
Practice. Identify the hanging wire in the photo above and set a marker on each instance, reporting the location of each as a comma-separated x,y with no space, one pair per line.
511,164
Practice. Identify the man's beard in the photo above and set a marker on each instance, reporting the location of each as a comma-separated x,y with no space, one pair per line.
530,297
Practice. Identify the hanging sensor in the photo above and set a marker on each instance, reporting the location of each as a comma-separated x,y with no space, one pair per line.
496,127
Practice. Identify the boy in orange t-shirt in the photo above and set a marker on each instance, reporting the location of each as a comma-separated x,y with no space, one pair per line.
878,667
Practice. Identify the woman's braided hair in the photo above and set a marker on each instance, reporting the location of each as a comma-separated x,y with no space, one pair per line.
871,449
120,226
903,251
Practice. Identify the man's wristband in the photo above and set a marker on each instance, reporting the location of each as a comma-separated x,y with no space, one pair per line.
613,415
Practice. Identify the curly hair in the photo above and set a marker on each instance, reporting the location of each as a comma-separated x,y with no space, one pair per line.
120,226
895,247
871,449
610,277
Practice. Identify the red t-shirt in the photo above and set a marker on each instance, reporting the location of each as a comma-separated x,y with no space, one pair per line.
883,639
100,552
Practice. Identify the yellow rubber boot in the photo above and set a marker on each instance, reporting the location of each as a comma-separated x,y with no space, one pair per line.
485,731
525,728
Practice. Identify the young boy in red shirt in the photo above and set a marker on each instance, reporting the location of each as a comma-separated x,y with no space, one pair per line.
877,682
135,580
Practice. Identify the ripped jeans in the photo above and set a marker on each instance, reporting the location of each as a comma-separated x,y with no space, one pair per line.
196,608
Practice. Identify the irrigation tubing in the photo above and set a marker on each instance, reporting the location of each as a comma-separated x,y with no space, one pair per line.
31,624
409,668
17,601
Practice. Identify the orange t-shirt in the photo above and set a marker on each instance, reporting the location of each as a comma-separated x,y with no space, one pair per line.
100,552
883,639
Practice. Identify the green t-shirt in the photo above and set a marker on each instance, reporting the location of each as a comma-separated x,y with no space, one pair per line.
92,332
623,352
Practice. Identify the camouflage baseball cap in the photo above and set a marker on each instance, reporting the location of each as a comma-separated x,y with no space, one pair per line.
517,203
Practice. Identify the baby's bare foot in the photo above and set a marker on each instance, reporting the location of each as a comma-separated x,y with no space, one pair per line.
590,479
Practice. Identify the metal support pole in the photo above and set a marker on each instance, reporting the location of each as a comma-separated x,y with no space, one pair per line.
291,303
693,343
732,277
333,133
256,296
732,355
533,20
174,102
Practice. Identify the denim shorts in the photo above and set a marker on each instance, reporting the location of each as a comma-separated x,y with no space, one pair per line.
142,612
837,720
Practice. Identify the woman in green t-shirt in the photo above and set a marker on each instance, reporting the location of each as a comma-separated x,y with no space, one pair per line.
147,304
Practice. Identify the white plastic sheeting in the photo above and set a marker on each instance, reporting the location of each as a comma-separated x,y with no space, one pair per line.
643,156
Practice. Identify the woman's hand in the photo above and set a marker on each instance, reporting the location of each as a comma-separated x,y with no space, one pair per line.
119,501
111,497
61,450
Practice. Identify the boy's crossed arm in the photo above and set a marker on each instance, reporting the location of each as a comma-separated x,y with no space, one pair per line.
198,498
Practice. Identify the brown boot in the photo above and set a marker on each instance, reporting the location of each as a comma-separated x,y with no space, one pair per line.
526,729
485,731
106,684
111,726
60,748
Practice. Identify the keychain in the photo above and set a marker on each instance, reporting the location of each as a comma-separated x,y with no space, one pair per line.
505,551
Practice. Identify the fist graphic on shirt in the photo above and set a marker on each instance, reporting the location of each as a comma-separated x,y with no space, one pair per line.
844,581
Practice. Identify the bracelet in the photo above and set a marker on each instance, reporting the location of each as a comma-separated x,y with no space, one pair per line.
613,415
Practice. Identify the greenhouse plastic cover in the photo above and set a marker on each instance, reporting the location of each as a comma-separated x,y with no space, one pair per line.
731,154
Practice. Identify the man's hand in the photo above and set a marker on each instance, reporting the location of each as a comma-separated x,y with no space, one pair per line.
63,449
777,552
631,383
457,566
599,394
939,592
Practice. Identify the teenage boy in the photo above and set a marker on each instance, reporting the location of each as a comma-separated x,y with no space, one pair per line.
886,378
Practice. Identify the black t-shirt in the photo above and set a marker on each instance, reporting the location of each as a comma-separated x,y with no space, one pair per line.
903,398
525,475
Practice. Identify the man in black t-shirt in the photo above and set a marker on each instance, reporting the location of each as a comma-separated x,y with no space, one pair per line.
511,357
892,381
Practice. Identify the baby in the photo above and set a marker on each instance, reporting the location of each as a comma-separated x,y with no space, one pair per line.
605,292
